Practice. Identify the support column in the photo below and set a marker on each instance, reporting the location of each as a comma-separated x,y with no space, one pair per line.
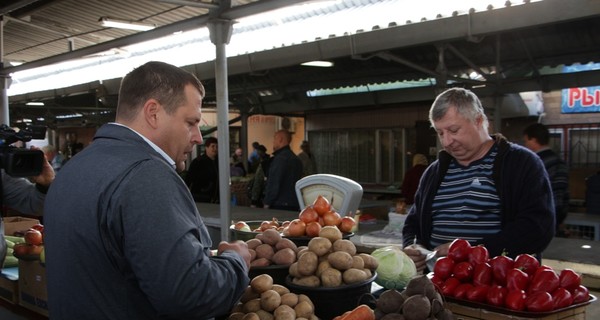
4,112
220,33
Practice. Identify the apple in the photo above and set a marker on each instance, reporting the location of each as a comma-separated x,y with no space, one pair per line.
33,237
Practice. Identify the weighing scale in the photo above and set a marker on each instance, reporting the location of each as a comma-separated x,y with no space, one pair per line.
344,194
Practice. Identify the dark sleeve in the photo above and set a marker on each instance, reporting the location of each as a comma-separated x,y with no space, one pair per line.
273,181
527,204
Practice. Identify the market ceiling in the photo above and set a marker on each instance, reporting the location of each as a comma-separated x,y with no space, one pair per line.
514,48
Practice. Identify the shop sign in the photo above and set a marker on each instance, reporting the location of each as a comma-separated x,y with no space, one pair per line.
581,100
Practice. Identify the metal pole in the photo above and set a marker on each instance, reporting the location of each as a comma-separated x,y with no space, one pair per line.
220,33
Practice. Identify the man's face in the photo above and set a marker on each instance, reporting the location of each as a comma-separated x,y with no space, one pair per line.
459,136
212,151
179,132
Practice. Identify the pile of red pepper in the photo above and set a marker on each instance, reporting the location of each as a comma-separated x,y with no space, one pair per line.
520,284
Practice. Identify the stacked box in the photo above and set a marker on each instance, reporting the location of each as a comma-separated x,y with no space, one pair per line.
9,284
15,224
33,293
462,312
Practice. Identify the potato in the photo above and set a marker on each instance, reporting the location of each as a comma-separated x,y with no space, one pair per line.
271,237
304,309
307,281
330,232
265,251
370,262
345,245
368,272
264,315
270,300
351,276
251,306
290,299
307,263
303,297
261,283
319,245
251,316
236,316
280,289
340,260
260,262
249,294
293,270
285,256
301,251
252,254
331,278
239,307
323,265
284,312
253,243
286,243
358,262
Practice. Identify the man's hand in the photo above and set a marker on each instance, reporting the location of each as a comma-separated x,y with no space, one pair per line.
417,257
238,246
47,175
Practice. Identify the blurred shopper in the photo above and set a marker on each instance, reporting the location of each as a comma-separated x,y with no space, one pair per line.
257,187
254,158
412,177
23,195
124,239
285,169
537,138
202,177
54,157
237,164
482,188
309,165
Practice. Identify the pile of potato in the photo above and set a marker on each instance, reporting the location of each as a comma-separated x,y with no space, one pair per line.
269,247
265,300
330,261
420,300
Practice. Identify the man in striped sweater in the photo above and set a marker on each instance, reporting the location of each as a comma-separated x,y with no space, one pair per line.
481,188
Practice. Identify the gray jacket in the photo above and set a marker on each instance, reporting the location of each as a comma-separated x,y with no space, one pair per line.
124,239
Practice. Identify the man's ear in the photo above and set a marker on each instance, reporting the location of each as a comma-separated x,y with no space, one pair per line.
151,109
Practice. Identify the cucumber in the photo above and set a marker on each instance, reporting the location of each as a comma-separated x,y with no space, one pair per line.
14,239
10,261
9,243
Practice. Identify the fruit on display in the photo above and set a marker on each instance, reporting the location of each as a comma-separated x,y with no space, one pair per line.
519,284
330,261
263,299
29,246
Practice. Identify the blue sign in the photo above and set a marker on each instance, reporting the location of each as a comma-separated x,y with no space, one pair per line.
581,100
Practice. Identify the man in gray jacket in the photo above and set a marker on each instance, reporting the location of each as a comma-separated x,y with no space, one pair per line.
124,239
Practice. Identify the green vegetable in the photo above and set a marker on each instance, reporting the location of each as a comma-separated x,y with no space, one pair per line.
10,261
14,239
395,267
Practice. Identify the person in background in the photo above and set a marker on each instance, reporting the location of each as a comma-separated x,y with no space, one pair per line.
55,158
23,195
309,165
482,188
257,190
202,177
285,170
236,163
254,158
124,239
537,139
412,177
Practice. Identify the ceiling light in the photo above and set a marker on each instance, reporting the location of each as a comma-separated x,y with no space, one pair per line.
122,24
317,63
34,103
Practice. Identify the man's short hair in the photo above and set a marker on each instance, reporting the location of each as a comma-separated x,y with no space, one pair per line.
539,132
210,140
154,80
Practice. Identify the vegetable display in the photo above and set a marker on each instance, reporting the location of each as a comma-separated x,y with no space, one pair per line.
519,284
395,267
